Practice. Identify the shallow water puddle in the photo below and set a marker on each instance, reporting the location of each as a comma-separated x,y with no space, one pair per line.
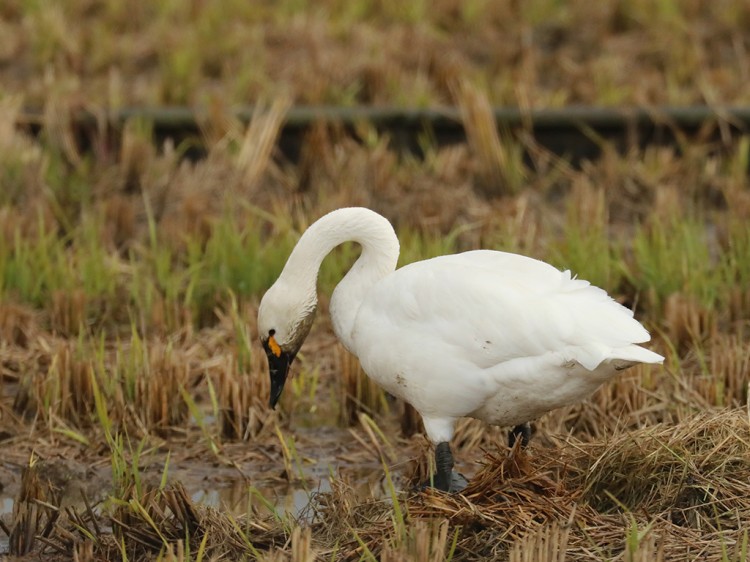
6,505
292,499
268,486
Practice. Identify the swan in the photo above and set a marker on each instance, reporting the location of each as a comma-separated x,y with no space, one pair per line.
485,334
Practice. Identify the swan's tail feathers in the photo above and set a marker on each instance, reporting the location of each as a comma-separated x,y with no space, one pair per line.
625,357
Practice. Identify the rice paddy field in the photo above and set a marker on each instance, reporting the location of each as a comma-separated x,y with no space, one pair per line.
134,419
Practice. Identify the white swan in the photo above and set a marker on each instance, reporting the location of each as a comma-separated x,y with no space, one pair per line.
490,335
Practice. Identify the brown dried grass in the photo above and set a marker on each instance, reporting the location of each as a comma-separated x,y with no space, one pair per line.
660,492
35,512
59,384
56,384
688,482
243,400
682,488
498,170
166,373
540,54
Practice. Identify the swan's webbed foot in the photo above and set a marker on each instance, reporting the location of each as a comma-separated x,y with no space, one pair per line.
523,432
445,478
458,482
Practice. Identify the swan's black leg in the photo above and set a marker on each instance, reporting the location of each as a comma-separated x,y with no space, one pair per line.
445,478
443,467
450,480
522,432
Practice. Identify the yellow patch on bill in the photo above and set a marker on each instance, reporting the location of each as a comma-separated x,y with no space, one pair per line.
274,347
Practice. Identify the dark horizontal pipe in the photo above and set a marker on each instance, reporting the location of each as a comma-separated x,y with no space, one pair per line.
564,131
304,116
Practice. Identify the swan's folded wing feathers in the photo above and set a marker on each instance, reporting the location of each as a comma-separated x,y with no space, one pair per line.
492,307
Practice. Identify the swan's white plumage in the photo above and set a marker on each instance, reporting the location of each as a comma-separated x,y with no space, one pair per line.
492,335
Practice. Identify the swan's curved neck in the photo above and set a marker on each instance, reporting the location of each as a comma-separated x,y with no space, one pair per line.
379,255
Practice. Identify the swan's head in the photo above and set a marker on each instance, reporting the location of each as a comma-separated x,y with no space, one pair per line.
284,320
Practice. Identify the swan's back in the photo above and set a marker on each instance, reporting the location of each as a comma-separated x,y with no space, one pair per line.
494,307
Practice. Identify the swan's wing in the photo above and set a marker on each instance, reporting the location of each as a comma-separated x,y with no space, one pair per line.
492,307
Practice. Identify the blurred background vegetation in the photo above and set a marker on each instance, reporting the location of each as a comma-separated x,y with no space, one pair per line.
131,263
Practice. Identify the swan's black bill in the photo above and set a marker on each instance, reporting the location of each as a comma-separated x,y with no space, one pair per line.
278,368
